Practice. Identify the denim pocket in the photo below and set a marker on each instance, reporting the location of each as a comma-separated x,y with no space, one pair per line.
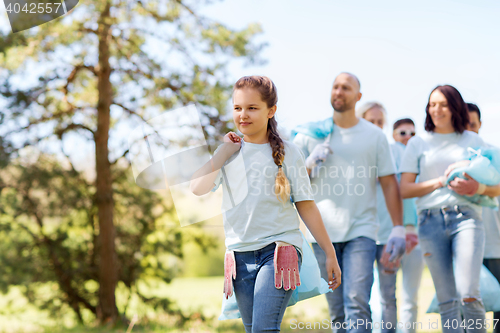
466,212
422,217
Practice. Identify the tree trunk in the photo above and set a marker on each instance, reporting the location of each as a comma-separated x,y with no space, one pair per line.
108,312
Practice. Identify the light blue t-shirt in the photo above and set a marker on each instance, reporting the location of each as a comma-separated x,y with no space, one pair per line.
409,209
252,215
383,216
491,222
345,186
410,216
429,155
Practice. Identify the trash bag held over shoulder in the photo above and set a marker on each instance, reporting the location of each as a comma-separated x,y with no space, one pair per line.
483,168
315,129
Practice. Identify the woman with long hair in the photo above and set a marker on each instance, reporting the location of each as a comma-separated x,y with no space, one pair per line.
450,228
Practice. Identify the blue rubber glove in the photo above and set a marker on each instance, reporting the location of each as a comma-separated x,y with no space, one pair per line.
318,155
396,244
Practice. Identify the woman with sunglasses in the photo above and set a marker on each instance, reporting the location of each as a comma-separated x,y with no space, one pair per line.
450,228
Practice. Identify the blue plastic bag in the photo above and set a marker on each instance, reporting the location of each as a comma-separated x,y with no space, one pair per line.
483,168
490,293
316,129
311,284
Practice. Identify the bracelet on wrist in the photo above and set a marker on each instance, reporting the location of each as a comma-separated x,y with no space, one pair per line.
442,181
481,189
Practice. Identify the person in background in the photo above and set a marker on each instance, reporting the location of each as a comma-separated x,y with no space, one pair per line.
404,129
450,228
412,263
376,114
491,219
345,192
474,118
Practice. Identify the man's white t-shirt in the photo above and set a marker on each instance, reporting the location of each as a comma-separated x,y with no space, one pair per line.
345,186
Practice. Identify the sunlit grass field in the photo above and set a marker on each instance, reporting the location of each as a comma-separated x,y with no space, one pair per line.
199,296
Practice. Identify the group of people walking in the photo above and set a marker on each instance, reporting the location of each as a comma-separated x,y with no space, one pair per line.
356,194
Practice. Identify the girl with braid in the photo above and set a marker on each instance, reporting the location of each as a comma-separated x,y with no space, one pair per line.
263,239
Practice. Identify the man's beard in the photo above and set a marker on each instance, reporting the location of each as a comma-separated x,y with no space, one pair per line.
343,108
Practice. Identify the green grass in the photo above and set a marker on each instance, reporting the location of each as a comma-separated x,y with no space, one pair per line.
200,297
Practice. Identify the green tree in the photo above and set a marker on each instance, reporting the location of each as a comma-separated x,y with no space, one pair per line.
98,71
50,234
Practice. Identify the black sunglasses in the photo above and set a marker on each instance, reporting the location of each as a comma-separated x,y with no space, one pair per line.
404,133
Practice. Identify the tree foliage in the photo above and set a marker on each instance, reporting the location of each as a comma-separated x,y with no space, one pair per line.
51,234
93,75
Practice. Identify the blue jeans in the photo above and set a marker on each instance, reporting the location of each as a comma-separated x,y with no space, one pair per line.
412,266
348,304
387,287
493,266
261,305
454,237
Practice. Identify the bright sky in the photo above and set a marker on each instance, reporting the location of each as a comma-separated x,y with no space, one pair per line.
399,50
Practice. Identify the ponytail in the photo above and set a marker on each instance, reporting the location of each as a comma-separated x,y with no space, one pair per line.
281,185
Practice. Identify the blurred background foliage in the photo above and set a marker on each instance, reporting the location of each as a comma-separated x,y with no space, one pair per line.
78,235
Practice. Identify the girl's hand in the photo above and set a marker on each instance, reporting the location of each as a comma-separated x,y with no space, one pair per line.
232,137
232,142
334,273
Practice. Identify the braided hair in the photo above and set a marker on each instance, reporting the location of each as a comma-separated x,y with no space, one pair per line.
269,95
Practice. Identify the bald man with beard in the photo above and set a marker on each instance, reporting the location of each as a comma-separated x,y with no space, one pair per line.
344,169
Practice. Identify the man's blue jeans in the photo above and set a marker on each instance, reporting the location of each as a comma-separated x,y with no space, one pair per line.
261,305
348,304
452,238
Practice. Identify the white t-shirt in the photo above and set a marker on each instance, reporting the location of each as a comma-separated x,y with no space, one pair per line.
252,214
429,155
345,187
